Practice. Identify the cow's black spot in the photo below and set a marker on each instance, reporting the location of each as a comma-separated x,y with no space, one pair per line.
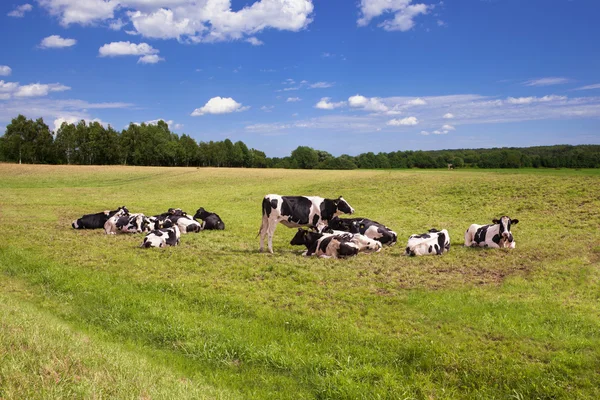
407,250
328,209
315,219
430,248
266,207
441,241
437,249
324,243
496,239
423,236
296,208
346,250
480,234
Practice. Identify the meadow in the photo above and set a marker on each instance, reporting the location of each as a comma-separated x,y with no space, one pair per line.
89,315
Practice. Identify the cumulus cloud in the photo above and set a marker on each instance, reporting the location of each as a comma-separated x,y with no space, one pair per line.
448,128
403,11
116,24
448,116
293,99
5,70
20,11
84,12
417,102
408,121
39,89
150,59
55,41
254,41
546,81
369,104
325,104
219,105
149,55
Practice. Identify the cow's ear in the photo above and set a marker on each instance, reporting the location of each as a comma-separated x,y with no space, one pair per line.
496,221
514,221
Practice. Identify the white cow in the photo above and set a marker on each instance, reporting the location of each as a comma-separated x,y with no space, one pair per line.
497,235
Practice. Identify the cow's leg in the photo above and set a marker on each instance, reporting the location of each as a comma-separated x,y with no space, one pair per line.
264,228
271,232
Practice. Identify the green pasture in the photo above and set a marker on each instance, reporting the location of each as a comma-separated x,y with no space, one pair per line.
86,315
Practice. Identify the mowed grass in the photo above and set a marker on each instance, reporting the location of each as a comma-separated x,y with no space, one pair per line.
86,315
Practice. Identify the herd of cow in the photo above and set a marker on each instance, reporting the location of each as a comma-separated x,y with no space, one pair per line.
328,235
162,230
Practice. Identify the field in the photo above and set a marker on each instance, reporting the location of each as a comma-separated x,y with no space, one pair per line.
86,315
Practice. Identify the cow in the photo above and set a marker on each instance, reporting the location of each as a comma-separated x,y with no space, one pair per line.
96,221
364,243
126,223
153,223
496,235
296,212
324,245
434,242
185,223
162,237
367,227
209,220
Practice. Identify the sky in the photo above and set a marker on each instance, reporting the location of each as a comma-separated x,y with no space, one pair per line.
346,77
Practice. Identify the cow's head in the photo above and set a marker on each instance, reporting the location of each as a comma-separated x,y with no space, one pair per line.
124,209
343,206
505,224
299,238
201,213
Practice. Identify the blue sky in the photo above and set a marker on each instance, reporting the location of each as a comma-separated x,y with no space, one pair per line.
341,76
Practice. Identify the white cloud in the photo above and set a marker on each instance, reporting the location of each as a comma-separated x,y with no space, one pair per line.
55,41
5,70
438,132
219,105
293,99
39,89
408,121
254,41
587,87
417,102
448,128
84,12
150,59
448,116
68,119
404,13
369,104
267,108
20,11
533,99
320,85
163,24
424,133
116,24
546,81
325,104
126,49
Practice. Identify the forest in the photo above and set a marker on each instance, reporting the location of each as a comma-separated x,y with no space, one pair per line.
32,142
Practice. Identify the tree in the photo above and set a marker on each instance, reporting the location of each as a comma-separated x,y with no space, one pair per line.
305,157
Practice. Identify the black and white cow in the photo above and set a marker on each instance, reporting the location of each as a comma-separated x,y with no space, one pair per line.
325,245
367,227
185,223
126,223
162,237
298,211
96,221
209,220
497,235
433,242
153,223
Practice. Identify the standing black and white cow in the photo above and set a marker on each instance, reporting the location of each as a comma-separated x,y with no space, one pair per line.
298,211
162,237
497,235
96,221
364,226
433,242
209,220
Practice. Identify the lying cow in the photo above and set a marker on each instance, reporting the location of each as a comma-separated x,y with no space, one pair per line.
497,235
162,237
176,216
209,220
153,223
298,211
432,243
364,226
96,221
125,223
336,244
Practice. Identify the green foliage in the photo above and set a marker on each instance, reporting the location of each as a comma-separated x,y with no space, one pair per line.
85,314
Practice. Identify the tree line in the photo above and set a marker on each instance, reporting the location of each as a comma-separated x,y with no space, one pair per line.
29,141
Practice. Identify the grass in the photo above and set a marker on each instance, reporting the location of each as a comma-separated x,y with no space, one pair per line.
214,318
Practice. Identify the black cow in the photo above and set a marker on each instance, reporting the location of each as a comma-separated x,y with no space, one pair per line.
298,211
209,220
96,221
364,226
